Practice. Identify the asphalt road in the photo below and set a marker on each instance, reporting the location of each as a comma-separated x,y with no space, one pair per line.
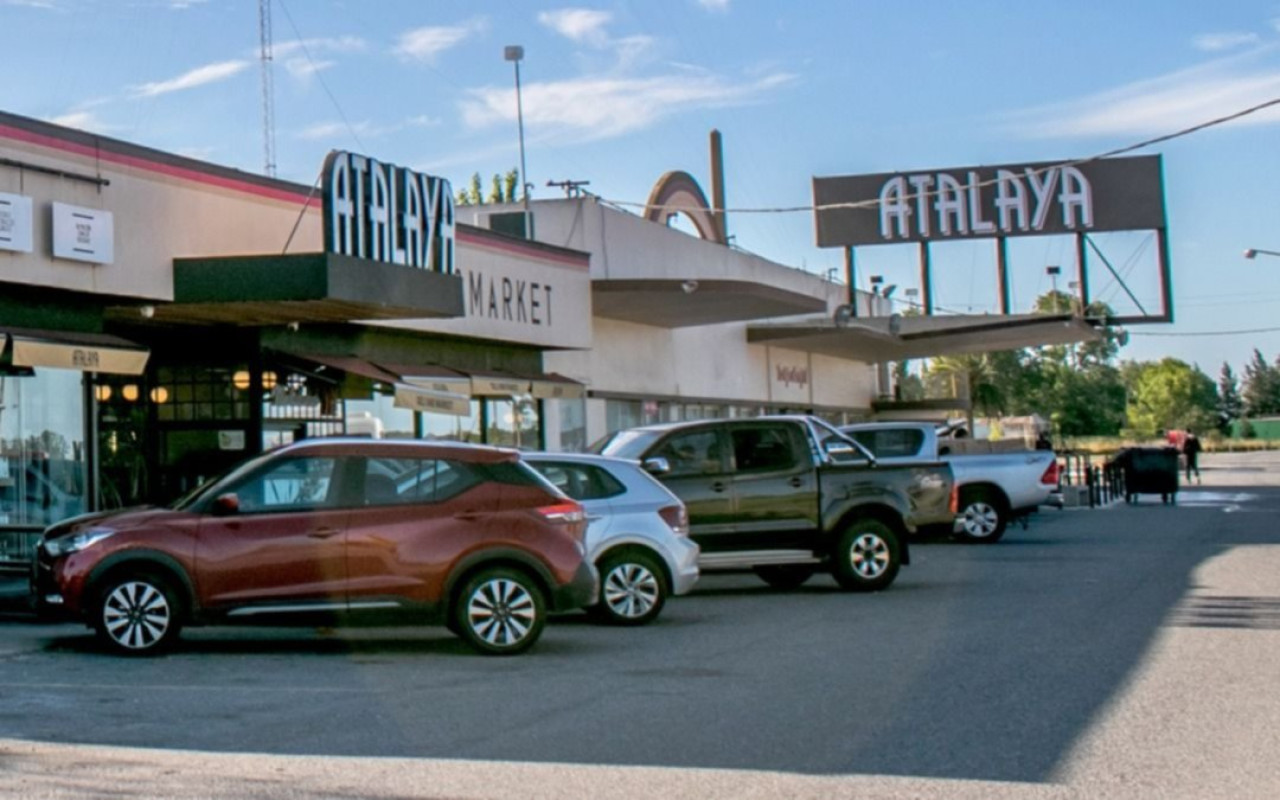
1121,652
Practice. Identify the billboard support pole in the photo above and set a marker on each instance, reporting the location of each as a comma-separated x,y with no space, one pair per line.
1002,273
1082,273
1166,274
850,281
926,279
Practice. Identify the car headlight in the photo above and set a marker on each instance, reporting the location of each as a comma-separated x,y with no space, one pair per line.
66,545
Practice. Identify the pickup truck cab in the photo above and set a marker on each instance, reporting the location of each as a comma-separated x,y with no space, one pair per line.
994,488
787,496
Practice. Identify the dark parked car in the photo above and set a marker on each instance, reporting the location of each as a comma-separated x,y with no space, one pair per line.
332,530
787,496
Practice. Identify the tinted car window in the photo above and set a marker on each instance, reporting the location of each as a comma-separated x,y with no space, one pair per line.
760,449
290,485
691,453
580,481
891,444
398,481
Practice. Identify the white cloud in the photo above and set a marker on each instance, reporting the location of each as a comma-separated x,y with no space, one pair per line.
335,44
46,5
578,24
200,76
300,67
424,44
1217,42
365,129
599,108
721,6
83,120
1161,105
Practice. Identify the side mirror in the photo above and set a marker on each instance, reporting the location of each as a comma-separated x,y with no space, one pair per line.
225,505
657,465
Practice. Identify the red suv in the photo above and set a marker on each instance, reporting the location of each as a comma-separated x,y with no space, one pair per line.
331,530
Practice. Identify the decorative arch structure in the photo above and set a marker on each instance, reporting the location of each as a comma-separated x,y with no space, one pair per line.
678,192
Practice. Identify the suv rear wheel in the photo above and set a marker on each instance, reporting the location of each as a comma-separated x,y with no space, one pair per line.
867,556
500,611
138,613
983,517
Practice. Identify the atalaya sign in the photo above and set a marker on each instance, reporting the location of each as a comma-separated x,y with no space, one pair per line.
988,202
382,212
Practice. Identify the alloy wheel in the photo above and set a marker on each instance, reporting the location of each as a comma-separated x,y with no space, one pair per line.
869,556
136,615
501,612
630,590
980,520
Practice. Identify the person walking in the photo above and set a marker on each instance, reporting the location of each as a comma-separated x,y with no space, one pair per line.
1191,453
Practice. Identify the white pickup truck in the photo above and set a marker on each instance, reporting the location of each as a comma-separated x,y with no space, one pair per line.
994,488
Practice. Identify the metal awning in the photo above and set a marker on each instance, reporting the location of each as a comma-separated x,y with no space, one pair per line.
416,398
87,352
301,287
878,339
431,387
668,303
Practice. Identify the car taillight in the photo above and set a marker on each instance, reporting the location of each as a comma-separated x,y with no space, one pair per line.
677,518
565,512
1050,476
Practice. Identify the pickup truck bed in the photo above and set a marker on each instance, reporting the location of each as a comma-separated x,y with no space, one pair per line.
994,488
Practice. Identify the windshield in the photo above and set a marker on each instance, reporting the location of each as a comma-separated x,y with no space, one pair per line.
627,444
213,487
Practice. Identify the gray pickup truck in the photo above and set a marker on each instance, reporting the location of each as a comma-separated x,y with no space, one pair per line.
993,489
786,496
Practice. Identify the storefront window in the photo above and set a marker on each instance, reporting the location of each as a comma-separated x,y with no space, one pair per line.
454,428
43,463
573,425
512,423
622,414
379,418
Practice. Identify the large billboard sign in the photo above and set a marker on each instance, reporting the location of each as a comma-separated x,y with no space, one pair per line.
1113,194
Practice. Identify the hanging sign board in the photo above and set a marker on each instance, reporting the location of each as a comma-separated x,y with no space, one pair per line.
83,234
15,223
415,399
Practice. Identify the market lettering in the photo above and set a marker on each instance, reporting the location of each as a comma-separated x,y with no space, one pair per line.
940,205
508,299
382,212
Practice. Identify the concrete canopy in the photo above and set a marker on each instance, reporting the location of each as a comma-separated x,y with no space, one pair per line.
879,339
669,303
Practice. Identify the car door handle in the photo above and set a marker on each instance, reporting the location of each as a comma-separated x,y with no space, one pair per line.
797,481
467,516
718,486
324,533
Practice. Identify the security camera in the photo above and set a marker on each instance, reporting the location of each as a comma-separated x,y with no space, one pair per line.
147,312
689,287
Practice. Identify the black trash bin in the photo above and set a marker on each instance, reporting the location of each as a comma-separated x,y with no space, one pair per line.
1149,470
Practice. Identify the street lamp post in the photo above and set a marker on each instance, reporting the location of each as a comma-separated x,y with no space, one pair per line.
1252,253
515,53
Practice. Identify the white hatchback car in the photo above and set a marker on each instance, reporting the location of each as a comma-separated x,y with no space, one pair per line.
637,536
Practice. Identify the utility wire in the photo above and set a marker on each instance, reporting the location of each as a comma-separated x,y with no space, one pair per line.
861,204
315,70
1209,333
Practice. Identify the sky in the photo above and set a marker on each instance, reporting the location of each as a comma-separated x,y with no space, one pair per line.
619,93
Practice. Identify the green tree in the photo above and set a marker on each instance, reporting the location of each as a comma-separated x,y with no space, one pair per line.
1171,395
1230,403
1261,392
502,189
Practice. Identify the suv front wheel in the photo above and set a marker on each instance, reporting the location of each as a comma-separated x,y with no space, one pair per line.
138,613
500,611
867,556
